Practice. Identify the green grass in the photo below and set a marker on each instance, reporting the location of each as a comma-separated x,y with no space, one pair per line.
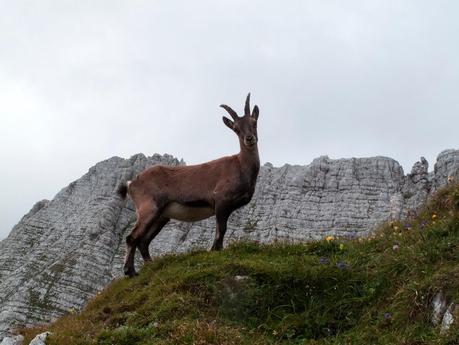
361,291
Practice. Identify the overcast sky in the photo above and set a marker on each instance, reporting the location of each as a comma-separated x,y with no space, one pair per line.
81,81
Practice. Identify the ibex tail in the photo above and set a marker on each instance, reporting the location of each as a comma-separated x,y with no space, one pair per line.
122,189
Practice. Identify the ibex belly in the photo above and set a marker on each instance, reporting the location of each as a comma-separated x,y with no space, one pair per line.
187,213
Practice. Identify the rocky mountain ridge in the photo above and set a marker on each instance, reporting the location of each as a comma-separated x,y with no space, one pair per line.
65,250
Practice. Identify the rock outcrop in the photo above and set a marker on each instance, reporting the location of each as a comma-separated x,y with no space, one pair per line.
65,250
442,311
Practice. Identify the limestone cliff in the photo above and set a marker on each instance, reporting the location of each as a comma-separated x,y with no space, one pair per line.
65,250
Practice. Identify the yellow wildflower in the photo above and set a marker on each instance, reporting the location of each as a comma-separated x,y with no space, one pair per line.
434,216
329,238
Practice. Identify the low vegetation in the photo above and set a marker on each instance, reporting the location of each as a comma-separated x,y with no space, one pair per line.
376,290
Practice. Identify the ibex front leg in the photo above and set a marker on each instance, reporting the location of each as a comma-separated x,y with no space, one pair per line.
222,220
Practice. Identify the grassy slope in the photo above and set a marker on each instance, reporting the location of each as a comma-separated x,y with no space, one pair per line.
328,292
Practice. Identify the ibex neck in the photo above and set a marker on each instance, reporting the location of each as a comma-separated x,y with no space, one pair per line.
250,161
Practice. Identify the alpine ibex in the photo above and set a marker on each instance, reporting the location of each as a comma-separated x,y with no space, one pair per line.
195,192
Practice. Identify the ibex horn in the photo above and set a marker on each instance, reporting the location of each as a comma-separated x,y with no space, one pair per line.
230,111
247,106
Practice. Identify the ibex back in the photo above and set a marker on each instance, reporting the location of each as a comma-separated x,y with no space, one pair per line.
196,192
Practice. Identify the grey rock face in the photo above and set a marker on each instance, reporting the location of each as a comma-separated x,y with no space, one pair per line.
65,250
447,166
13,340
448,317
439,306
442,312
61,253
40,339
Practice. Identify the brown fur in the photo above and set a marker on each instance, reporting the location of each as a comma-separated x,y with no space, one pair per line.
191,193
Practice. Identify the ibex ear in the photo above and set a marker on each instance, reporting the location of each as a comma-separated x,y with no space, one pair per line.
255,112
228,122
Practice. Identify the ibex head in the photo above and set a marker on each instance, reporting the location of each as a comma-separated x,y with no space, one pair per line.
246,126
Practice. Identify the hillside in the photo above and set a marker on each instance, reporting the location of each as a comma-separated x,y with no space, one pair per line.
65,250
376,290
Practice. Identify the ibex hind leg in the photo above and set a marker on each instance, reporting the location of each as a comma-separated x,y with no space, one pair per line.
145,241
145,218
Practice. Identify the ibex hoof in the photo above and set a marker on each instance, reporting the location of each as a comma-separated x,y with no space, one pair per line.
130,272
216,247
